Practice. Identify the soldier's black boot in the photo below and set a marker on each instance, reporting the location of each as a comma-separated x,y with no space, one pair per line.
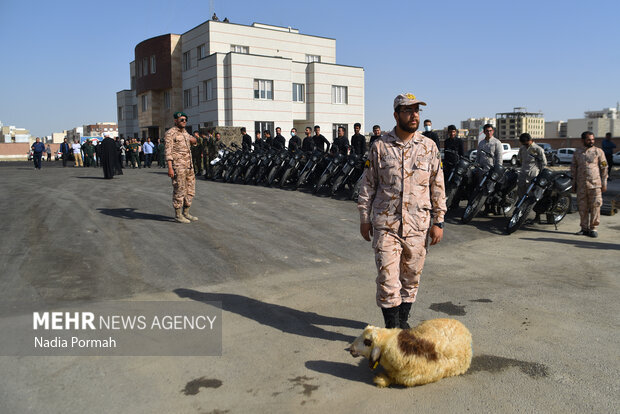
403,315
390,316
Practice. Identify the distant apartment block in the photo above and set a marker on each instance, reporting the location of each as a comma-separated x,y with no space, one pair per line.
599,122
510,125
100,129
225,74
10,133
556,129
474,125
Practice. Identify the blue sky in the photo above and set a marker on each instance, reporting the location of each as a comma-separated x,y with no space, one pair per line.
64,61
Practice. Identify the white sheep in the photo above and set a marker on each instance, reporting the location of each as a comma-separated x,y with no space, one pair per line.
434,349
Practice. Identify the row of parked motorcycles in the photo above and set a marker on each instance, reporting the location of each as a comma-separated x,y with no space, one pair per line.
496,191
322,172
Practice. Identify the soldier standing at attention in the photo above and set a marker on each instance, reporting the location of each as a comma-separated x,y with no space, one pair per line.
246,140
358,141
402,183
589,171
532,159
179,160
491,145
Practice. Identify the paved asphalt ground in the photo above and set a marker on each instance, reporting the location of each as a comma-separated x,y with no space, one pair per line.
297,285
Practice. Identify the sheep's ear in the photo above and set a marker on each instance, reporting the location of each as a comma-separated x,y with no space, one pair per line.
373,360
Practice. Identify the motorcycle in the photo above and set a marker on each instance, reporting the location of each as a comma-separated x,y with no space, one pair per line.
333,168
280,163
309,171
497,191
219,163
350,173
460,181
549,194
294,163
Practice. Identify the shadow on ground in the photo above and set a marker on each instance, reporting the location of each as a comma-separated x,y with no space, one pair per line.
584,244
280,317
132,214
349,372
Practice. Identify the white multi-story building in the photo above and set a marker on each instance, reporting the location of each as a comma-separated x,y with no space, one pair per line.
599,122
474,125
224,74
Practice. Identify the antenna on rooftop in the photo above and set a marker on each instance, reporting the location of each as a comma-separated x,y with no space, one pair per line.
210,7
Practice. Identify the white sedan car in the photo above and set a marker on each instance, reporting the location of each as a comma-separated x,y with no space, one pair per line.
617,158
566,154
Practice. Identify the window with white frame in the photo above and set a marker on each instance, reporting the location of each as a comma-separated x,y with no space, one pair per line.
209,89
167,100
153,64
145,66
187,63
202,51
339,94
313,58
298,92
187,98
239,49
263,126
144,99
263,89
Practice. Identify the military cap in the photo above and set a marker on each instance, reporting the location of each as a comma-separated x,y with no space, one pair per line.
179,114
407,99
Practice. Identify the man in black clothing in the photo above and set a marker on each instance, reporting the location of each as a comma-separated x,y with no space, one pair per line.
294,144
65,149
268,139
246,140
376,134
341,143
319,140
279,142
358,141
428,132
308,144
453,146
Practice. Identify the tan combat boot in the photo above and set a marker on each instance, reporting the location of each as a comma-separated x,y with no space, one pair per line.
179,216
187,215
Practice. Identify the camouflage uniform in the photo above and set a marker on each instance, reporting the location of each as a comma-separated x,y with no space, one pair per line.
210,150
178,151
400,187
532,160
589,171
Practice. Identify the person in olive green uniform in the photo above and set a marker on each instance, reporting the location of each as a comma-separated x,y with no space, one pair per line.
197,153
89,154
134,152
161,154
211,149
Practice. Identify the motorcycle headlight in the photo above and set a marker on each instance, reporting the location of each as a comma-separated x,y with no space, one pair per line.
494,176
460,171
543,182
315,158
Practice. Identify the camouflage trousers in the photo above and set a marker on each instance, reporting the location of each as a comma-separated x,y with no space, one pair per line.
589,202
399,263
183,187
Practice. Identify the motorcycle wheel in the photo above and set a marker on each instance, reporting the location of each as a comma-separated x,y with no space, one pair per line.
260,175
559,210
519,216
472,209
285,177
509,202
217,170
235,175
302,179
249,174
338,182
228,174
320,184
356,190
272,176
450,193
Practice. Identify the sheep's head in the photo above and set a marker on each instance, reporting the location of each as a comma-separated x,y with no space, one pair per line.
364,346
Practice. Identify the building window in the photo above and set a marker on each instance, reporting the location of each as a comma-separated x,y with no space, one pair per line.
167,99
153,64
298,92
139,71
313,58
209,89
263,126
263,89
133,83
145,66
120,113
339,94
187,98
135,112
202,51
145,102
187,63
239,49
335,129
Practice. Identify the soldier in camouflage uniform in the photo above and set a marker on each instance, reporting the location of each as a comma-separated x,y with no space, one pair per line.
589,171
532,159
211,144
180,169
402,184
197,153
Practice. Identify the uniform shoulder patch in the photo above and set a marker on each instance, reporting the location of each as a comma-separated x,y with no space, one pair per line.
604,164
367,164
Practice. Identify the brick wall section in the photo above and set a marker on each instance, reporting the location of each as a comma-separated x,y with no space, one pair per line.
18,151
